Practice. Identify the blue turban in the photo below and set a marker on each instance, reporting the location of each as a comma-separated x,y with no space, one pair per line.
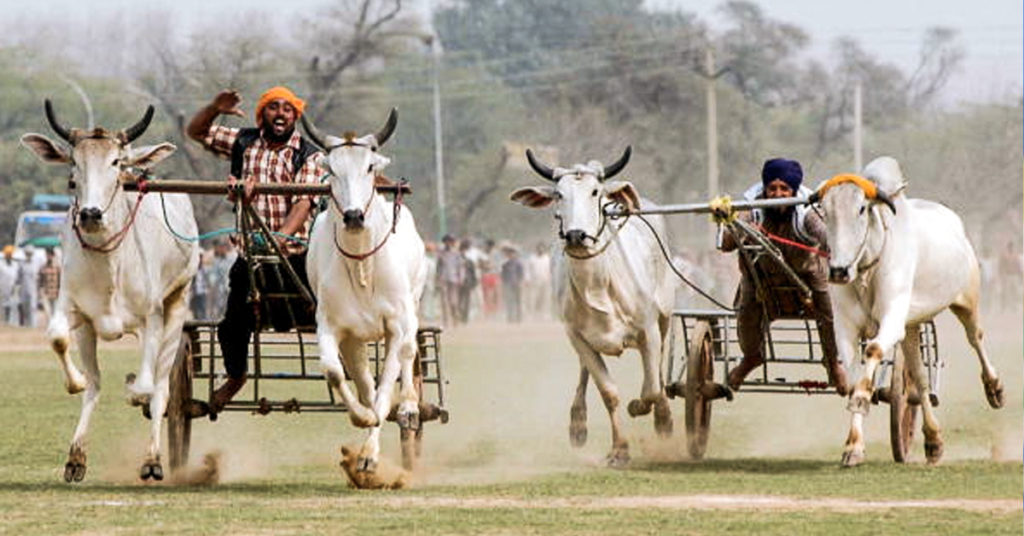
787,170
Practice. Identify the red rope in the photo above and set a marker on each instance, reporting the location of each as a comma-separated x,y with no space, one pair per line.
118,236
394,224
788,242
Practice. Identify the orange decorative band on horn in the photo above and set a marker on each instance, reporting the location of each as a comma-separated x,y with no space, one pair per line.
870,189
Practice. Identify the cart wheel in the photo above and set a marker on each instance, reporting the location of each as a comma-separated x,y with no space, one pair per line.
412,436
179,422
699,370
902,414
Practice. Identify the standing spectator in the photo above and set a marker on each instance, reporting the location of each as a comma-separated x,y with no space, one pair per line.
537,282
511,282
201,288
429,303
489,279
28,286
224,256
49,282
450,273
9,271
469,279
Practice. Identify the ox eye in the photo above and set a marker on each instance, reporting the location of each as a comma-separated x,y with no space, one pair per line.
594,193
116,162
369,169
862,207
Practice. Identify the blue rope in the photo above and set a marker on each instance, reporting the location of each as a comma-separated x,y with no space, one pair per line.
218,232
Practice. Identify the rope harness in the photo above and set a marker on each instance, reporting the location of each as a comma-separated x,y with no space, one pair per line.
115,240
396,210
602,210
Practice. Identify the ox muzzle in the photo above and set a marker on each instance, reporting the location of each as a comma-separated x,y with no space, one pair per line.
575,238
90,219
353,218
839,275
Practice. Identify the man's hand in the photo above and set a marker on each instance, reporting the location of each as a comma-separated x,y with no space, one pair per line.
248,189
226,103
721,209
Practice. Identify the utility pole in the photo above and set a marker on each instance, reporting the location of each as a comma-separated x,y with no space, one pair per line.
442,219
857,155
712,119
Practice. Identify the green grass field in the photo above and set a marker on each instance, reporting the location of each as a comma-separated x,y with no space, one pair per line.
503,465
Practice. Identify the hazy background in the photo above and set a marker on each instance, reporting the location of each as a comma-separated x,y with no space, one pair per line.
941,82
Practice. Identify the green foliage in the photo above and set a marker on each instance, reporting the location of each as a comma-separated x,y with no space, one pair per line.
581,78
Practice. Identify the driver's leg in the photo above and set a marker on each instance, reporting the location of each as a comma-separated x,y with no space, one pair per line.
750,329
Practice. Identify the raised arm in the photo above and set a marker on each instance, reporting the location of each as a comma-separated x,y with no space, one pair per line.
225,103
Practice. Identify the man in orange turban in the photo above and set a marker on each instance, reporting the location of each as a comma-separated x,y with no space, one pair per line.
273,152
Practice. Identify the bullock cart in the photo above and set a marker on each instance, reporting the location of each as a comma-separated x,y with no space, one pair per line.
793,354
284,367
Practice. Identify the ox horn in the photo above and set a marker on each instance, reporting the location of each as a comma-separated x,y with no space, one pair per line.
389,128
615,168
51,117
136,130
540,168
312,132
884,198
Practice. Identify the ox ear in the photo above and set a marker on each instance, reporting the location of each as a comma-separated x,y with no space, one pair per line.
150,155
45,149
623,193
534,196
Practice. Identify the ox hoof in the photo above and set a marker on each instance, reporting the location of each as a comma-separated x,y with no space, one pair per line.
663,421
74,383
618,458
933,451
994,392
366,465
853,457
409,420
578,434
151,470
578,425
74,471
637,407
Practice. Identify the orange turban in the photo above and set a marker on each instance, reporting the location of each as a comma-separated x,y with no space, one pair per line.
278,92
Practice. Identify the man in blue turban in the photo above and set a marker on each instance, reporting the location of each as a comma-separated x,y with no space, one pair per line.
781,178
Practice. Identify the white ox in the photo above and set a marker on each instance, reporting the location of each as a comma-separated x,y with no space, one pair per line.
367,268
613,288
896,263
123,272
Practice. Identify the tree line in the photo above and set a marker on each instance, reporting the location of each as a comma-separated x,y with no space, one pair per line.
579,79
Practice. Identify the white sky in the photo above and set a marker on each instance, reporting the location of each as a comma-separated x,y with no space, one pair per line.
992,31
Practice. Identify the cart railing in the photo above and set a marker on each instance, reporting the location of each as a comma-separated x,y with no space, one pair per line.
293,356
788,342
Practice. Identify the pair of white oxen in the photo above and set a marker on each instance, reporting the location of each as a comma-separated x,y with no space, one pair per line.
895,262
125,273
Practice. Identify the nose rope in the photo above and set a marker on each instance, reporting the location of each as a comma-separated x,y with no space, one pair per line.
394,225
109,245
595,238
864,246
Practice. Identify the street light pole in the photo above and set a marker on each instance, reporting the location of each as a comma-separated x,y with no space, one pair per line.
442,221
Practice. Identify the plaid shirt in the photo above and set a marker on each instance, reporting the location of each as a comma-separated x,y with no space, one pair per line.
271,166
49,281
